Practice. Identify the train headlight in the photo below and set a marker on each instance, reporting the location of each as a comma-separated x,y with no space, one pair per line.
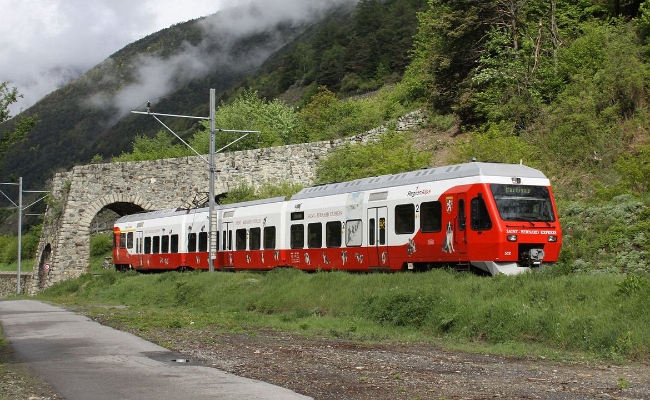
552,238
512,238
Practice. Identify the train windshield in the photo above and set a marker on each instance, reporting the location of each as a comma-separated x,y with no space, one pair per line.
523,203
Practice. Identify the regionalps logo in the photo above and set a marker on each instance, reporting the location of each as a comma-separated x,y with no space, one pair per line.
418,192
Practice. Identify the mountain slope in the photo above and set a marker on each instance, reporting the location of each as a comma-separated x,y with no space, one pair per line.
174,68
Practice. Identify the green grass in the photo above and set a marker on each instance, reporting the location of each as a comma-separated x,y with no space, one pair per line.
599,316
25,266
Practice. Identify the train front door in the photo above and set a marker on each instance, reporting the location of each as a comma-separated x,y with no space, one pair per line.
378,237
139,246
226,245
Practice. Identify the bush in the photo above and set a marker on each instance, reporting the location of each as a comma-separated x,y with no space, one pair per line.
392,153
101,244
398,309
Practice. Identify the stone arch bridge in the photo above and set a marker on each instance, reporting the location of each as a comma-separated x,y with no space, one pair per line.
80,194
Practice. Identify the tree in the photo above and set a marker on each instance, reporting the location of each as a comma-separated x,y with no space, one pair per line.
448,46
276,121
21,127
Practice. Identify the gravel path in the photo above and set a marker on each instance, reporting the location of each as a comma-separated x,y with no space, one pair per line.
329,369
326,368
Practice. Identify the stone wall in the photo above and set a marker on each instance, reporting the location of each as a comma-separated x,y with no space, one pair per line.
79,194
9,283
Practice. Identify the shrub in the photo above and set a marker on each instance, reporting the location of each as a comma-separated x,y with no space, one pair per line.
101,244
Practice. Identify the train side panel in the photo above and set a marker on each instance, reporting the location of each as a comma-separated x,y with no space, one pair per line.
251,237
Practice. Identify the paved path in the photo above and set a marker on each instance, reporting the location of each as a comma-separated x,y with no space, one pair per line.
84,360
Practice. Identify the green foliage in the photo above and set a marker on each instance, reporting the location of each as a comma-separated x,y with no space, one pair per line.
324,118
276,121
350,53
101,244
604,315
505,85
498,143
22,126
28,248
447,47
7,98
634,170
245,192
398,308
608,237
163,145
390,154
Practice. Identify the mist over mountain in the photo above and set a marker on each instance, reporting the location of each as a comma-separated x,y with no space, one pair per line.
174,69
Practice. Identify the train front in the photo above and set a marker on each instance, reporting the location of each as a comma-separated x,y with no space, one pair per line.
528,228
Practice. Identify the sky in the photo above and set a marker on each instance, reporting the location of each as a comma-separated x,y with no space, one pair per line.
46,43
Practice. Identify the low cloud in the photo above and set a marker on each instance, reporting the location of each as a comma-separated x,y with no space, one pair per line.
157,77
46,44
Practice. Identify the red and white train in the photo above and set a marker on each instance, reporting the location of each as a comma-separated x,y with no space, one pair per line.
497,218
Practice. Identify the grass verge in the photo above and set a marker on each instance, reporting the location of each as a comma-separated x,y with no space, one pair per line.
538,315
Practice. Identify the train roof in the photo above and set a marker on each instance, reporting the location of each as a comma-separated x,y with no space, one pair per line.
421,176
253,202
171,212
414,177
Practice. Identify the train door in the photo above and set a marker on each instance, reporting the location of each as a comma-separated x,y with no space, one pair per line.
226,244
139,245
460,238
378,237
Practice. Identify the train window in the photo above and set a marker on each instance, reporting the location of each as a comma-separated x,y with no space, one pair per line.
203,241
297,216
155,247
191,242
479,214
254,238
315,235
371,231
147,245
405,219
229,240
173,244
224,245
164,244
353,232
297,236
240,239
382,231
269,237
431,216
462,219
333,234
523,203
216,242
129,240
122,240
